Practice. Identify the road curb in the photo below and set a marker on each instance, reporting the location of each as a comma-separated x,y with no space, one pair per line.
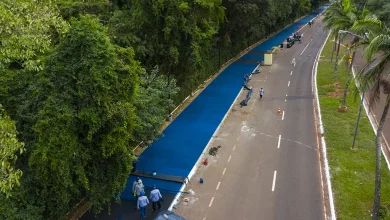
318,119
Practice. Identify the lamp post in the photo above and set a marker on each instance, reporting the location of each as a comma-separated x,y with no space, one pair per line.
355,35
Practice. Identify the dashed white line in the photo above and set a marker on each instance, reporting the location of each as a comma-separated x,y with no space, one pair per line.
219,183
234,148
283,116
230,157
291,73
224,170
305,48
280,136
285,100
212,200
288,84
273,183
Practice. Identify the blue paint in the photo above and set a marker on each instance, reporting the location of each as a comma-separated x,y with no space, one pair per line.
187,136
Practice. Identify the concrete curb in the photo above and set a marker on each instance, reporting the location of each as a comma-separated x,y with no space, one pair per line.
321,129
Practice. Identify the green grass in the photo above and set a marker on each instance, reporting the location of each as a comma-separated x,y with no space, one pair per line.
352,172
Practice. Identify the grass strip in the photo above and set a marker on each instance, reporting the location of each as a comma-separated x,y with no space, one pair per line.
352,172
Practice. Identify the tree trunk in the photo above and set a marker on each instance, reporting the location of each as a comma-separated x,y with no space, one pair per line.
337,60
377,192
348,79
334,47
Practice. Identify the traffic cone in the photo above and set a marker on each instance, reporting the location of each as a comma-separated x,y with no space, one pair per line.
278,111
205,162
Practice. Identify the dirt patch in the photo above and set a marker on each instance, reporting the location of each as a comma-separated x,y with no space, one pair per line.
244,112
338,93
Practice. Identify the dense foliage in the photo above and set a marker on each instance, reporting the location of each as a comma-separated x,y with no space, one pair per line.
380,7
82,82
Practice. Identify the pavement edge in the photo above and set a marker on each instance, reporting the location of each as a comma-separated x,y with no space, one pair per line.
319,126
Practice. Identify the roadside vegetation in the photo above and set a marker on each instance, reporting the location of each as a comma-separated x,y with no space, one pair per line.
352,171
344,19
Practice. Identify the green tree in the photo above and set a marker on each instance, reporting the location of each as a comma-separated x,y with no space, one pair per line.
375,77
152,104
381,9
10,147
176,35
87,120
341,15
27,30
358,41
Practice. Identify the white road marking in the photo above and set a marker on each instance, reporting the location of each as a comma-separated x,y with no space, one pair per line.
219,183
291,73
224,170
305,48
273,183
286,95
288,84
230,157
234,148
285,100
280,136
283,116
212,200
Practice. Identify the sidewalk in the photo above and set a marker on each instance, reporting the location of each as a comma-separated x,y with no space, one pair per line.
378,108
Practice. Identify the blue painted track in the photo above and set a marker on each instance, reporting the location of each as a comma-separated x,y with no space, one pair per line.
187,136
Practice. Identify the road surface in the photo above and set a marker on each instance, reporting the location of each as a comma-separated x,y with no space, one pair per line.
268,164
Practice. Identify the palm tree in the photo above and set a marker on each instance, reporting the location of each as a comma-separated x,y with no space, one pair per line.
356,43
376,77
332,13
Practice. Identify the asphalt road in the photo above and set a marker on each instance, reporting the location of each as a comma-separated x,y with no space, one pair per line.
268,164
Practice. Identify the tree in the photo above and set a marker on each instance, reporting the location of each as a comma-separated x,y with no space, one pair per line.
375,78
341,16
357,42
10,147
152,104
86,121
381,9
28,28
176,35
332,12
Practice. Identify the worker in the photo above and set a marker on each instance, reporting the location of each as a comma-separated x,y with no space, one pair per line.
155,197
142,202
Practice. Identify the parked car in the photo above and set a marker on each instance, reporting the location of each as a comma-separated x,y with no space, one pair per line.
171,216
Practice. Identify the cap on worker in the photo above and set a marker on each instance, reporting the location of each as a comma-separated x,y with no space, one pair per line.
138,178
154,185
142,193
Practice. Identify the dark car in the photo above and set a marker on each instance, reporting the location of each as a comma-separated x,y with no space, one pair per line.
171,216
